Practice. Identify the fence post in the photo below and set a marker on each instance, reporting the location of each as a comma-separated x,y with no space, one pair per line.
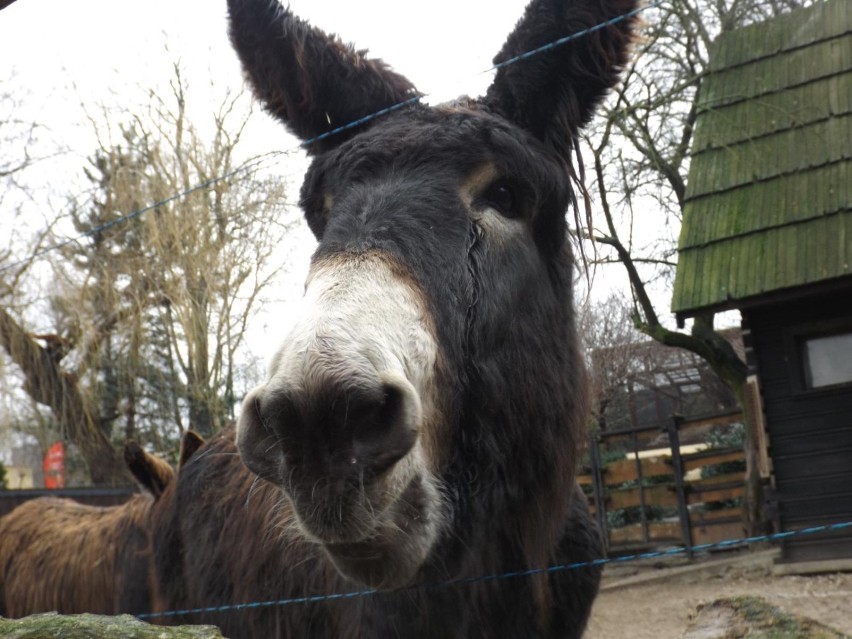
598,488
643,514
677,463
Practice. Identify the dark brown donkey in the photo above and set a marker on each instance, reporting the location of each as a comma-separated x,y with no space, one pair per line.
421,421
61,555
58,554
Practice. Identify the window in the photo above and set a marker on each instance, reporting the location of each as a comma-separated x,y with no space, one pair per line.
827,360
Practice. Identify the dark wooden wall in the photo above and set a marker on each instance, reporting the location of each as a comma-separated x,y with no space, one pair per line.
810,432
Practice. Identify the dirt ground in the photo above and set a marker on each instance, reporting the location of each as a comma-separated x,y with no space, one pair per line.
654,602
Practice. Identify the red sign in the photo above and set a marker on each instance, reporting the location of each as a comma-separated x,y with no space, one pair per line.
54,466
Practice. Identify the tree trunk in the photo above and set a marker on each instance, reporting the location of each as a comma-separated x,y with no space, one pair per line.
755,521
48,384
724,361
200,416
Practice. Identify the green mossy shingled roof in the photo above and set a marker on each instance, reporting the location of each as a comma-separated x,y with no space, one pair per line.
769,195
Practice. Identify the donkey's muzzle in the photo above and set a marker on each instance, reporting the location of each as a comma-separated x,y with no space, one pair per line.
327,438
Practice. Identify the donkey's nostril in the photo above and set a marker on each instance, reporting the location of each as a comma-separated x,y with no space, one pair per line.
257,442
385,432
370,414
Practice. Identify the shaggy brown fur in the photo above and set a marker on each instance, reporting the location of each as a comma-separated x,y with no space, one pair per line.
57,554
222,536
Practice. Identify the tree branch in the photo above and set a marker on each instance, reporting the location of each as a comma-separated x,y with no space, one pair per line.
48,384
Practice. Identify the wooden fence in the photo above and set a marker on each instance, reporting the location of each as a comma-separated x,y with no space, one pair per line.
670,496
666,496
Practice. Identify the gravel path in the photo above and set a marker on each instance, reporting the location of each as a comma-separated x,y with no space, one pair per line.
657,604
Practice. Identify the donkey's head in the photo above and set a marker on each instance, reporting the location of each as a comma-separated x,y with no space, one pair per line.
443,272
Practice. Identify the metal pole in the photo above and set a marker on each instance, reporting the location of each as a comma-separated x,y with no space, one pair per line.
598,489
646,537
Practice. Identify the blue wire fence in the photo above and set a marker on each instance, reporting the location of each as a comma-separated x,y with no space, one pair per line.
668,552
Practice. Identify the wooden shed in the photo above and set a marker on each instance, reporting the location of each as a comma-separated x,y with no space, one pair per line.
767,229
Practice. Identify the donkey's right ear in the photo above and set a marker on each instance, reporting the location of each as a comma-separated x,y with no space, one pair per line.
306,78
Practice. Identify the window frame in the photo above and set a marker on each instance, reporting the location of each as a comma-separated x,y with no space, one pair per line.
796,338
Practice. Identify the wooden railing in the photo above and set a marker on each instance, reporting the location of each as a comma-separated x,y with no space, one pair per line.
676,501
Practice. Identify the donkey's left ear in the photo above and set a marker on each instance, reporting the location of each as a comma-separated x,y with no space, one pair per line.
310,80
152,473
553,93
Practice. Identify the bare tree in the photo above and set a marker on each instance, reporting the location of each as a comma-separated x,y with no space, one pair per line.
212,253
610,345
640,155
186,278
47,383
16,133
37,357
147,312
628,371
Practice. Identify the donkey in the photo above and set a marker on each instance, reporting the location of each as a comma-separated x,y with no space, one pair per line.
60,555
420,423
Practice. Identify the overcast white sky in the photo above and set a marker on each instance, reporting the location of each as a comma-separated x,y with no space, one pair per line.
102,45
64,52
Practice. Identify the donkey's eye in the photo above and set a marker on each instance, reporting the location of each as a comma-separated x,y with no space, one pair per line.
501,196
